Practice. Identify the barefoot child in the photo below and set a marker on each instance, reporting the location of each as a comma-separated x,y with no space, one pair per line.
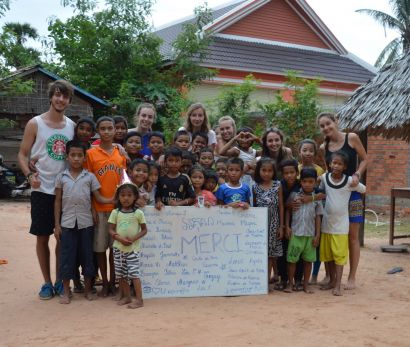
334,245
304,234
73,219
267,192
127,226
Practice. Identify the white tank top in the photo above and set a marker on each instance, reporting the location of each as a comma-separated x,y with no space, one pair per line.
49,148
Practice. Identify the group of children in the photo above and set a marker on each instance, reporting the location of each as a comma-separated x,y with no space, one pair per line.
122,179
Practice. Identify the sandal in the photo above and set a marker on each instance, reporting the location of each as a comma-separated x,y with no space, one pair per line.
279,286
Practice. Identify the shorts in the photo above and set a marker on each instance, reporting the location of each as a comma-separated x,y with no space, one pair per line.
356,208
102,237
334,247
126,264
301,247
42,214
76,244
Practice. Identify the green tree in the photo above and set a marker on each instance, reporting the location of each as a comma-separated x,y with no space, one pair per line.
4,7
297,117
399,22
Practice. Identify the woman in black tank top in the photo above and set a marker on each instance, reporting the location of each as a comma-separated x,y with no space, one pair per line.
349,143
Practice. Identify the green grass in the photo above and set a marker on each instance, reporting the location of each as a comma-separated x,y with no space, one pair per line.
402,227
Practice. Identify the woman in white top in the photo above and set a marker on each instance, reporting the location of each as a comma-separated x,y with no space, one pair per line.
197,120
227,130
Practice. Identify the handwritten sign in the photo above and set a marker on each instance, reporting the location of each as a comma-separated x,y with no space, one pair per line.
191,251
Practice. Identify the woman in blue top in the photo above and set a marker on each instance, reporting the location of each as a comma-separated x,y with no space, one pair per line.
145,116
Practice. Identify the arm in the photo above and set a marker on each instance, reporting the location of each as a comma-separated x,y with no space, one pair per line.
227,149
115,236
184,202
101,199
288,230
281,213
317,229
29,137
57,213
357,145
141,234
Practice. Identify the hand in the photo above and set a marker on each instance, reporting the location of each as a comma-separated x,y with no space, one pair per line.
280,233
295,204
159,205
57,232
305,199
315,241
34,180
125,241
173,203
355,181
95,217
141,202
244,205
288,232
320,196
207,204
32,164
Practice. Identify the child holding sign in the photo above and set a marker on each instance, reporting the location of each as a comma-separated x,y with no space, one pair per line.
127,226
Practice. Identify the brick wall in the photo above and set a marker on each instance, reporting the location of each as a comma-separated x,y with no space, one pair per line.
389,162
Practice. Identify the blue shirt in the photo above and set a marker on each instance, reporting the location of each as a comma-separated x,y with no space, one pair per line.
229,194
145,140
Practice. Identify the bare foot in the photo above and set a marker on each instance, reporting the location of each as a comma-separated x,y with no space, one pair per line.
90,296
350,285
337,292
124,301
65,299
307,290
313,280
297,287
136,304
118,297
325,281
104,291
288,289
112,289
327,286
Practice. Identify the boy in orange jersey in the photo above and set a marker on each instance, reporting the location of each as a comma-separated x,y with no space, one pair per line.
106,163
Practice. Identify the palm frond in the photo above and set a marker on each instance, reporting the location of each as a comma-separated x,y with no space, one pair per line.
392,47
384,19
401,10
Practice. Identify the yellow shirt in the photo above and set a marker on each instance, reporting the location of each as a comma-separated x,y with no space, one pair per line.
318,169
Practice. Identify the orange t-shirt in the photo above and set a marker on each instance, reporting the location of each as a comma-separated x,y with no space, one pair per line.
108,170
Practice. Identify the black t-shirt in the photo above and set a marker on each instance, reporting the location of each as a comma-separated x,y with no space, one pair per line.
176,189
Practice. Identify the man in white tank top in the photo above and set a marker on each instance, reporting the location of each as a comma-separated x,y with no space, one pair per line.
45,137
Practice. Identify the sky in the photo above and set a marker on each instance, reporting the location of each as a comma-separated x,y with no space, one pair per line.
358,33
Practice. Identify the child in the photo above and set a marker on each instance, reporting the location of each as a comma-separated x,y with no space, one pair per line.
267,192
304,235
182,140
307,152
84,131
156,144
234,194
197,176
188,161
220,167
106,163
127,227
121,127
211,180
139,172
199,141
73,220
154,171
132,145
174,188
206,158
334,245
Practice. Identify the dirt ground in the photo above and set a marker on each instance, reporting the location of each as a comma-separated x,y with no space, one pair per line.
377,313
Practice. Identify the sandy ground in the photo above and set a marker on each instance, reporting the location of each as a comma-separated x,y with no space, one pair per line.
377,313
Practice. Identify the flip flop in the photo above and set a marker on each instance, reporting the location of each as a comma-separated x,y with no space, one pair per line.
395,270
3,262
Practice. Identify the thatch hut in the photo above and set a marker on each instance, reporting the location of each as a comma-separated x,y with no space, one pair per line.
380,109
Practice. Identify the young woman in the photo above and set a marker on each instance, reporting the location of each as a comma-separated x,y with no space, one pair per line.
349,143
145,116
227,131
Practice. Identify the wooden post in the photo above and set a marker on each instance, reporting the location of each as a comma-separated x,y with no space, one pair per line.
363,138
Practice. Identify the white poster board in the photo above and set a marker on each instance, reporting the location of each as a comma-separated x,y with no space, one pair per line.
215,251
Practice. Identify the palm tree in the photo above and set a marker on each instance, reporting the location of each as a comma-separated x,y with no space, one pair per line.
21,31
400,22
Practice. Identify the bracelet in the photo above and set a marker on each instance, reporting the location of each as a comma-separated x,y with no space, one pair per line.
357,173
29,175
313,197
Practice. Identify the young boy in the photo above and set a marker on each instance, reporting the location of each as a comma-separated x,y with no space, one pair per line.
156,144
107,164
174,188
220,167
188,161
133,145
182,140
199,141
305,232
234,194
334,246
74,225
211,181
206,158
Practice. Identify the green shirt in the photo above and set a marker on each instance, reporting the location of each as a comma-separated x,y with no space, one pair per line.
127,224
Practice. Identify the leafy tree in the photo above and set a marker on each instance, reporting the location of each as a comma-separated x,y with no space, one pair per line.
400,22
297,117
4,7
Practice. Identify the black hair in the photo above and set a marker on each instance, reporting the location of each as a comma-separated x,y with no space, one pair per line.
75,144
87,120
221,160
244,130
137,161
289,162
62,86
125,186
342,155
262,161
211,174
206,150
180,133
308,172
307,142
154,164
173,152
236,161
156,134
132,134
196,167
201,134
104,119
265,149
120,119
189,155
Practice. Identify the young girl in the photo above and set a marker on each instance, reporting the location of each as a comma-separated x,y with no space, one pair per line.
154,171
126,226
197,175
273,146
84,131
197,120
132,145
267,192
206,158
139,171
307,152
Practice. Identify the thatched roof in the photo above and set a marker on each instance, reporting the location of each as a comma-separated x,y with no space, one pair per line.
382,105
